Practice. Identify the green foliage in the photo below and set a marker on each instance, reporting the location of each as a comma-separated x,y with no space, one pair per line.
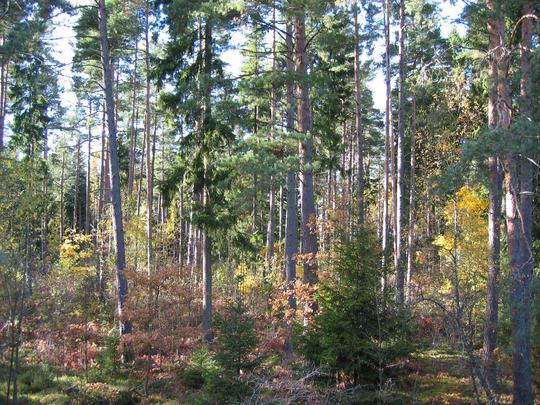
33,380
108,359
202,367
359,331
236,339
216,386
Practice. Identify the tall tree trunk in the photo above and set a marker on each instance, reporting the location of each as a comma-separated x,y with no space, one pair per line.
141,173
88,169
205,238
62,205
412,202
291,217
358,117
76,191
387,146
181,223
400,195
133,127
519,210
271,226
4,73
494,244
45,218
149,149
118,228
309,229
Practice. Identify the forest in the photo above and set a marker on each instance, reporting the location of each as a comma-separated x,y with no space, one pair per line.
269,202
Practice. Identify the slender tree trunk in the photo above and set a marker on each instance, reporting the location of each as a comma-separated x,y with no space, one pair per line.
387,146
358,118
291,217
88,169
181,222
400,196
118,228
412,202
271,226
309,229
62,205
149,150
45,218
494,244
76,190
133,128
4,73
141,174
205,238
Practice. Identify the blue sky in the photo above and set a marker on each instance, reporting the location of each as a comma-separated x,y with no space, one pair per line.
63,37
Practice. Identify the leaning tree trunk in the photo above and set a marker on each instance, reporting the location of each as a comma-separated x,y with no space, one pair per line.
309,230
118,228
492,305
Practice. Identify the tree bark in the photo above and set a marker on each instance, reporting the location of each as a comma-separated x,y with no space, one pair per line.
400,189
271,226
492,305
387,146
149,149
76,190
118,228
62,207
412,202
519,181
309,230
4,74
88,184
133,128
358,118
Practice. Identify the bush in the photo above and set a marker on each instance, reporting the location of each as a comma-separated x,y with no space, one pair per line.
358,331
34,380
236,339
202,367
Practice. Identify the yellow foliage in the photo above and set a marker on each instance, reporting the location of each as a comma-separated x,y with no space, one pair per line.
75,252
246,281
471,238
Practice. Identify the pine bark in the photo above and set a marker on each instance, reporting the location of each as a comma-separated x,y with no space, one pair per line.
88,168
309,230
400,187
495,185
118,228
358,117
291,220
412,206
271,226
519,200
387,146
149,150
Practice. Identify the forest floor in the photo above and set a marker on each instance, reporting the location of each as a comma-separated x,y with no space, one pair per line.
428,377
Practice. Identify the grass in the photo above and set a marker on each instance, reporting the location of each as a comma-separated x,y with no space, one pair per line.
438,377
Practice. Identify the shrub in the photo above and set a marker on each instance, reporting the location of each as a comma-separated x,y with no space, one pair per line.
236,339
358,331
33,380
202,367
